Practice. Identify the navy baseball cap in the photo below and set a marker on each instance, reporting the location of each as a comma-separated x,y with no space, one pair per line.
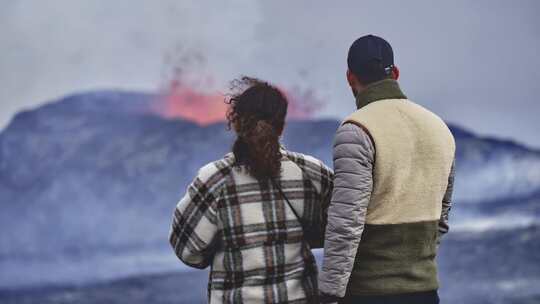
370,58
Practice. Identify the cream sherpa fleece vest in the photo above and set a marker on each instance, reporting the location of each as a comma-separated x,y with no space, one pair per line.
414,151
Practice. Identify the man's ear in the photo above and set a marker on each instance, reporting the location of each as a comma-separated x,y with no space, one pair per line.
351,79
395,72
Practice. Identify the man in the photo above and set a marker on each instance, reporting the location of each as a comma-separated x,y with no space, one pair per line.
394,164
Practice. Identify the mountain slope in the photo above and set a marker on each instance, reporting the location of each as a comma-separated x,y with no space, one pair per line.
94,177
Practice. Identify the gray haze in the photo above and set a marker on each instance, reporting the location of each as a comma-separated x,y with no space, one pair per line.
473,62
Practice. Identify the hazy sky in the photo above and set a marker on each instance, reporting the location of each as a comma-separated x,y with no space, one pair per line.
475,63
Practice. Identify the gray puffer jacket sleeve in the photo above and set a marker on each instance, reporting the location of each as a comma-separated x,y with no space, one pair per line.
353,183
447,203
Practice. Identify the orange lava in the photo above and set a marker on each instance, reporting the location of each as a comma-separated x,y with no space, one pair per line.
182,101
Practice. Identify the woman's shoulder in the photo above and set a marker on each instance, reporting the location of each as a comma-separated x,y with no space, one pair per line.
303,159
216,171
306,161
320,175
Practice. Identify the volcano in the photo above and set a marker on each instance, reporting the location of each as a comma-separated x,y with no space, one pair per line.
88,184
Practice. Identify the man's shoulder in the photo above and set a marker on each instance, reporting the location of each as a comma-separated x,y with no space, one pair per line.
353,133
349,126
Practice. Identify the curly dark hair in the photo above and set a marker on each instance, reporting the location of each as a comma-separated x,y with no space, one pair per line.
257,114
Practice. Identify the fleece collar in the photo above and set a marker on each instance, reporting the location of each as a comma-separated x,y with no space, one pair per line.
383,89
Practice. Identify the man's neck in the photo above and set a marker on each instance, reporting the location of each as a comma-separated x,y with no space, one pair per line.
383,89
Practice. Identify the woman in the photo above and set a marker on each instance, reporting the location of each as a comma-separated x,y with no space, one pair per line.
250,214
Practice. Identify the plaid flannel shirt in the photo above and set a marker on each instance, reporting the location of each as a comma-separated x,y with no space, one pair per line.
247,232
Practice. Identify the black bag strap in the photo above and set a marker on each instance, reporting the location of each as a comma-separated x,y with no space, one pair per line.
289,203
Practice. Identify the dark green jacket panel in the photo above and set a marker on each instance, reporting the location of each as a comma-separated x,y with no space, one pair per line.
396,258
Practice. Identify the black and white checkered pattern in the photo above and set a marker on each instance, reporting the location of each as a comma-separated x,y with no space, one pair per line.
245,230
